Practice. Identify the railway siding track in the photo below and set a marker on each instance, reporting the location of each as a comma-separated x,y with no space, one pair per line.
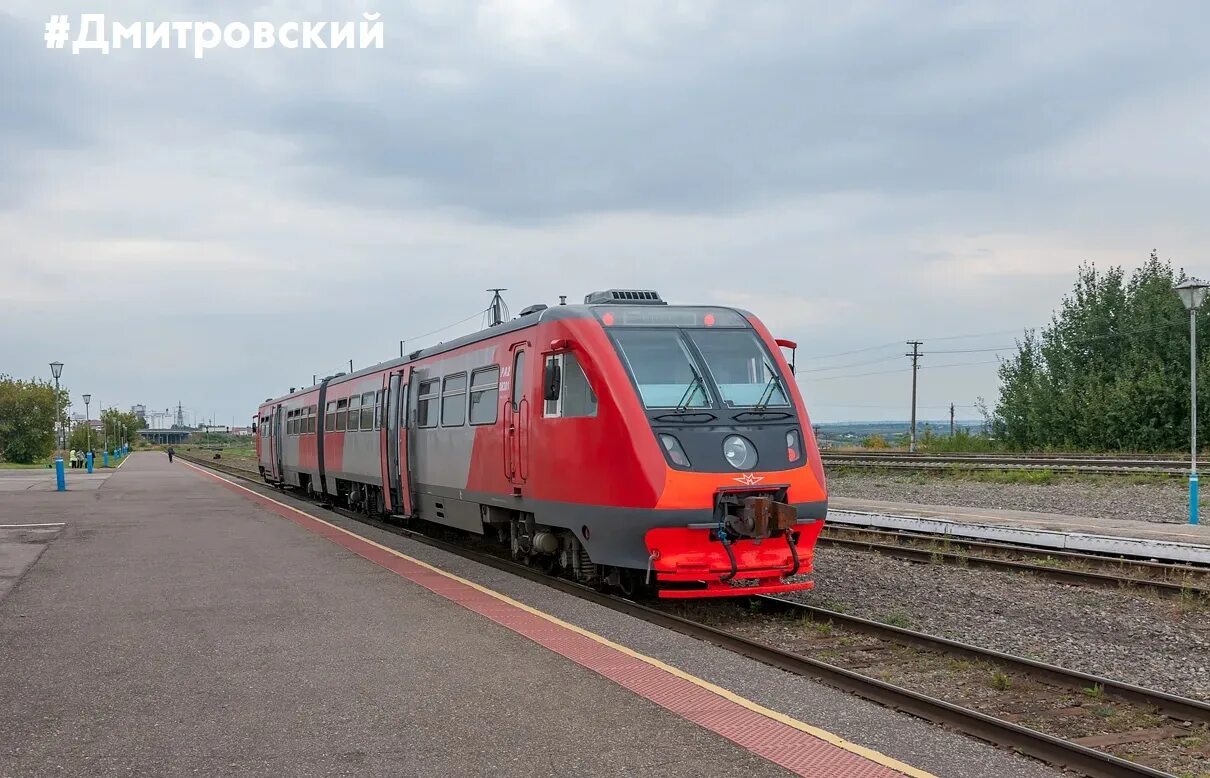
1097,722
1176,580
1056,463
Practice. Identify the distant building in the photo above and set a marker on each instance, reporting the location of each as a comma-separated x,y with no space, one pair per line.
140,411
214,428
241,431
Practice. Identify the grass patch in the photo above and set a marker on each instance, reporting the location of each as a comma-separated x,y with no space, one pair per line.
897,619
822,629
1094,692
1000,681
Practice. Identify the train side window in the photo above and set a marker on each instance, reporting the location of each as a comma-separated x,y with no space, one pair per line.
309,420
354,417
292,424
518,378
330,417
426,403
367,411
378,409
342,412
453,400
485,395
576,398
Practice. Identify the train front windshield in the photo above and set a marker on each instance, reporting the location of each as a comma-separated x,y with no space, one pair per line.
687,367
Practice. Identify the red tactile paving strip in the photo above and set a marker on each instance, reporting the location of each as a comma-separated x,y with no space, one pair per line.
782,744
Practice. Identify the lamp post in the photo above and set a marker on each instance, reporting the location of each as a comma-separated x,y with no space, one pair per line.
1192,294
56,369
87,422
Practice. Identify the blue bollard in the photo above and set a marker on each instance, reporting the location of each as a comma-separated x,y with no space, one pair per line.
88,458
60,479
1193,498
104,459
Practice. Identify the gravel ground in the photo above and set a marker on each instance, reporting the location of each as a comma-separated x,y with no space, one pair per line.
1161,501
1150,641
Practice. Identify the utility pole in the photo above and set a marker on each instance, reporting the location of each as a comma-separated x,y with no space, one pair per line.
951,420
915,355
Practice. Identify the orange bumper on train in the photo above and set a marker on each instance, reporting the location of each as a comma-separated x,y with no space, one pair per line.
697,564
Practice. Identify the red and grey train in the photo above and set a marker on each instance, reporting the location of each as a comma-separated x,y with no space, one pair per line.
625,442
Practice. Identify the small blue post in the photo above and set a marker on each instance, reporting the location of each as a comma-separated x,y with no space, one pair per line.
88,458
60,479
104,458
1193,498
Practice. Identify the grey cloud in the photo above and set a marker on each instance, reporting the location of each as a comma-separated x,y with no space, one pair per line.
698,129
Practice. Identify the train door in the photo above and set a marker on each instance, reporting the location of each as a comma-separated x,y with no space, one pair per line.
277,431
516,419
399,467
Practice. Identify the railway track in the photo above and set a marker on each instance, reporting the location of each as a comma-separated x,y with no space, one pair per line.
1055,463
1176,580
900,668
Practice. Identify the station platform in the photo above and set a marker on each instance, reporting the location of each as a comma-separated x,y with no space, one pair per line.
179,621
1178,542
43,479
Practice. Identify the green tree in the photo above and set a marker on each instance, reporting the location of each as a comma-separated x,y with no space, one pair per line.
1110,371
112,423
80,438
28,410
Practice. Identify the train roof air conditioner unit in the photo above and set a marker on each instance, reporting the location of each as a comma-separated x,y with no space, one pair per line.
624,297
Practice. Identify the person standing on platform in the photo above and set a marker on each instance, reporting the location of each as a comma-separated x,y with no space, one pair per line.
171,452
71,459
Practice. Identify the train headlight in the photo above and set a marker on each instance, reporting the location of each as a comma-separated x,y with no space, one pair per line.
740,452
675,452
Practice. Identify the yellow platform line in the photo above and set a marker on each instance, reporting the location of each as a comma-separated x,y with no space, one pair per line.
822,734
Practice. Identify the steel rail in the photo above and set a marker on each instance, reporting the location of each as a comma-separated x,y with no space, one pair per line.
1066,575
1097,466
1107,559
1047,748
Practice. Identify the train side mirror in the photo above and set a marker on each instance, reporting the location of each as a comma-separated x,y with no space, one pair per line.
793,349
552,381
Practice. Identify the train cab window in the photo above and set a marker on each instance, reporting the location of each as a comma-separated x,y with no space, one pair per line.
330,417
518,378
453,400
485,395
367,411
576,397
426,404
342,412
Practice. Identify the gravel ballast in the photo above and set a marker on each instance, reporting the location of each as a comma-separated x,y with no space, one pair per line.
1161,501
1161,643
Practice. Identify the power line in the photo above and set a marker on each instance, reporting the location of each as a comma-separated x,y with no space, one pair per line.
851,364
474,315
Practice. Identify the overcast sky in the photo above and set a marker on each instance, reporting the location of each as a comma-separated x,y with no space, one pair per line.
216,231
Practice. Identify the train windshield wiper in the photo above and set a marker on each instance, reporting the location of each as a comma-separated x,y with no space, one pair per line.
696,385
767,394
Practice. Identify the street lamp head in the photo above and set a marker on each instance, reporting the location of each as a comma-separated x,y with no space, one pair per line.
56,369
87,399
1192,293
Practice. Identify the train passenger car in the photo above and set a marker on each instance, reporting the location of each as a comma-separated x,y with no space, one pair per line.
624,441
